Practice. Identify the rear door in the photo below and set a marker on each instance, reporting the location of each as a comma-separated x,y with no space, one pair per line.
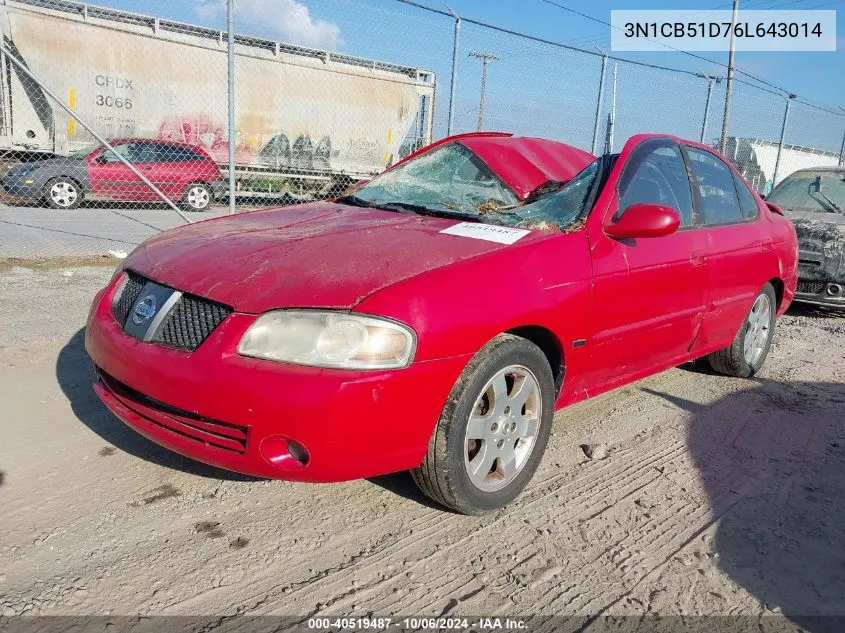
649,293
178,166
737,242
145,157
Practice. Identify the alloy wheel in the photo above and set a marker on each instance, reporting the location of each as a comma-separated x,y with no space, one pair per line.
502,428
757,330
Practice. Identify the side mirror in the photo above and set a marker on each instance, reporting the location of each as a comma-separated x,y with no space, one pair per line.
645,220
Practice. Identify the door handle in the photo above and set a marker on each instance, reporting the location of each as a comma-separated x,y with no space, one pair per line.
698,257
767,245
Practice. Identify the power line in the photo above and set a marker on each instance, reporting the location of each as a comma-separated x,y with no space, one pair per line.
688,53
584,51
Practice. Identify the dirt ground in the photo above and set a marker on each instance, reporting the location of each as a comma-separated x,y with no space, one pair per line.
717,496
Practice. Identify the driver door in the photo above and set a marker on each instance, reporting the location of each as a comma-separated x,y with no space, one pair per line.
110,178
649,293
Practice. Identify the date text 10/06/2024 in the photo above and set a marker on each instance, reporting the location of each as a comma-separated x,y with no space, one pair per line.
417,623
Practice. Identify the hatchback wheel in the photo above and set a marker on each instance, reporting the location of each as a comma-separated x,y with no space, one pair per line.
493,430
62,193
197,197
751,345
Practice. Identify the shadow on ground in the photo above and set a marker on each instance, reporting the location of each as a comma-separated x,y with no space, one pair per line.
75,374
401,485
772,458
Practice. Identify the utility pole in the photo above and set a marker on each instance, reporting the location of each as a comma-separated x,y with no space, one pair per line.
485,58
456,46
710,79
730,85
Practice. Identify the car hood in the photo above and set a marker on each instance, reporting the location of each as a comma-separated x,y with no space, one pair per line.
49,162
316,255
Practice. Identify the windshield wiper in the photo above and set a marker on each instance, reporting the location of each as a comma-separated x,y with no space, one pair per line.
354,201
407,207
831,205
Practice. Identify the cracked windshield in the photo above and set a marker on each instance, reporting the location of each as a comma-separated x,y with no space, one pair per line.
451,181
820,191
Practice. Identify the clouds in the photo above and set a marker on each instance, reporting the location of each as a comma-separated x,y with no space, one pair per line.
285,20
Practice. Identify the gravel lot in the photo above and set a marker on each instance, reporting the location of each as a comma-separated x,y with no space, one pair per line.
717,496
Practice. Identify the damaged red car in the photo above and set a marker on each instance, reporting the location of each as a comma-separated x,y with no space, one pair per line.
435,318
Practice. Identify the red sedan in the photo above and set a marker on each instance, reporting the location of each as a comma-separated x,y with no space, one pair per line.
434,320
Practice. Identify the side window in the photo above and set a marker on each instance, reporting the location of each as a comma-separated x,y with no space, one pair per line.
124,150
166,153
747,203
176,154
142,153
714,179
656,174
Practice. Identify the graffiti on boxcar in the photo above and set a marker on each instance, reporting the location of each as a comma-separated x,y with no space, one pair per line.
303,153
201,130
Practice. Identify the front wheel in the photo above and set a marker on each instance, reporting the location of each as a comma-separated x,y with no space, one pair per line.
62,193
493,430
197,197
744,357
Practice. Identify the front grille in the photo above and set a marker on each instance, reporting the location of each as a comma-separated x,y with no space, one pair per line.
131,289
214,433
811,287
190,322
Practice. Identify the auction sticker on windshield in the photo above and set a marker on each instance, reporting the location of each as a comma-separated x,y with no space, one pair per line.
489,232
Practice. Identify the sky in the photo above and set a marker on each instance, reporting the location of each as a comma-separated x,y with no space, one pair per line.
550,87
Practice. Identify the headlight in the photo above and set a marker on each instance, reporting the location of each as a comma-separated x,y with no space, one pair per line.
329,339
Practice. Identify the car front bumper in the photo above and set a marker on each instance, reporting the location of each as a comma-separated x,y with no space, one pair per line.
23,186
824,293
238,413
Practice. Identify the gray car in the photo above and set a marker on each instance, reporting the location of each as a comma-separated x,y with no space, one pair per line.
814,199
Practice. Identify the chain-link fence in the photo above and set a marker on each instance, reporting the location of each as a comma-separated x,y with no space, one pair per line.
130,113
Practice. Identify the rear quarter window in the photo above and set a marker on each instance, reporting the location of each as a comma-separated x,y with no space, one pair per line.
716,188
748,207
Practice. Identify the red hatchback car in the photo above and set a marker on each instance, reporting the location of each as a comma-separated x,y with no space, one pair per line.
434,320
182,172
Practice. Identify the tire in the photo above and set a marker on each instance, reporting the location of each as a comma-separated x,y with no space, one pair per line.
197,197
745,356
62,193
504,366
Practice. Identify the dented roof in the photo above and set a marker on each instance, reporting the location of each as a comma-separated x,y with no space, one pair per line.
526,163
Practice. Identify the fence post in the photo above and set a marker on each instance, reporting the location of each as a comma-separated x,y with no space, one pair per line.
599,104
842,150
707,109
456,47
26,71
230,53
782,135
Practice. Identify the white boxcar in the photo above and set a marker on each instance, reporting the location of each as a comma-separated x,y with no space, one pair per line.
300,112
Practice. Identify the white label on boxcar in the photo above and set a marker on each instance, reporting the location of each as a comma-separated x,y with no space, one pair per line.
488,232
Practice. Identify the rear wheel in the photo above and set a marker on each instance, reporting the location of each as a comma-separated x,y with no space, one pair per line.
744,357
62,193
197,197
493,430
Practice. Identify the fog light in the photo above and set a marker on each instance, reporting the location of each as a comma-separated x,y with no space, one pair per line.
298,452
834,290
284,452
